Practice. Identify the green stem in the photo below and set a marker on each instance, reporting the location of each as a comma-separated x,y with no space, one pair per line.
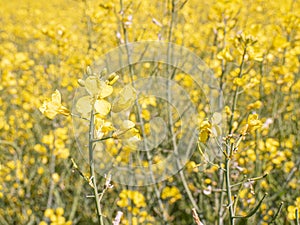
277,213
250,179
221,197
102,139
228,189
297,217
92,168
233,107
254,210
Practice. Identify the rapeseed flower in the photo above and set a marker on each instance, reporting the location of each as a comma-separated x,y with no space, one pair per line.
51,108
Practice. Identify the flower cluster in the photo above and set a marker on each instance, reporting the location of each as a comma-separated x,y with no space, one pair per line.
253,49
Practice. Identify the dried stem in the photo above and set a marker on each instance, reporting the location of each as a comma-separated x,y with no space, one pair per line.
196,217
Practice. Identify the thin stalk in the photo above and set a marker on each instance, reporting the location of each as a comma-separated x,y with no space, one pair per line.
297,217
233,107
250,180
228,189
254,210
92,169
220,208
277,213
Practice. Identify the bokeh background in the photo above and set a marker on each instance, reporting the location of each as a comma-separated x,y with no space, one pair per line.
253,48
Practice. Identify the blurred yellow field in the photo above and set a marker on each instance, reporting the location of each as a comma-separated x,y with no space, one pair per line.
149,112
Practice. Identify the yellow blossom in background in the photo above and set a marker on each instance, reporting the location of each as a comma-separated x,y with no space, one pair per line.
255,105
253,122
51,108
55,177
252,49
292,209
171,193
129,195
56,217
225,55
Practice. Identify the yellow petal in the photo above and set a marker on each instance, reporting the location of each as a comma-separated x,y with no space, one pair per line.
125,99
56,97
105,89
127,124
49,109
217,118
252,117
102,107
50,114
91,85
203,136
81,82
83,105
43,108
97,87
64,111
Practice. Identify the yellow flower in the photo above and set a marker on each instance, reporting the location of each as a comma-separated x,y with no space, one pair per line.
125,99
227,110
43,223
253,122
225,55
112,79
172,193
205,131
48,213
255,105
98,90
51,108
55,177
59,211
291,212
102,127
138,199
127,131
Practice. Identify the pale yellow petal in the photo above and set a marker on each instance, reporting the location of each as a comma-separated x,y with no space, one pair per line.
125,99
43,108
83,105
127,124
56,97
91,85
105,89
97,87
102,107
64,111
